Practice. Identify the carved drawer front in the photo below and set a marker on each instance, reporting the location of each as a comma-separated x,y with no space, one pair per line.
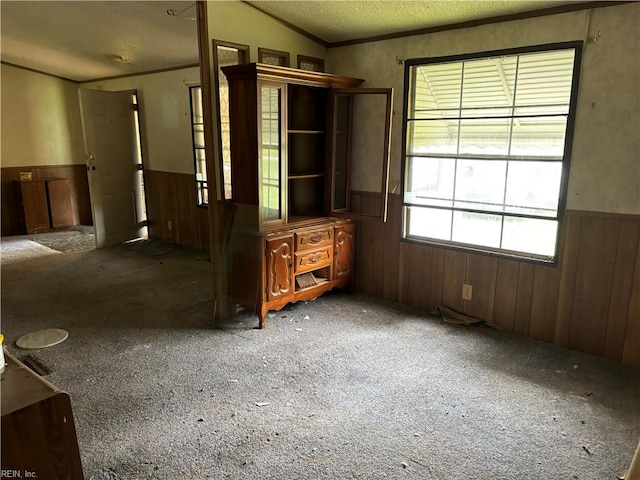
307,261
314,239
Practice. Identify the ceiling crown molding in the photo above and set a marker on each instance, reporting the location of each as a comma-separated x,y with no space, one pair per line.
289,25
572,7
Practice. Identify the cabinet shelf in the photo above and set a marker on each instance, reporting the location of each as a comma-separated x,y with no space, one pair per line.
307,132
307,108
306,154
318,283
305,281
302,176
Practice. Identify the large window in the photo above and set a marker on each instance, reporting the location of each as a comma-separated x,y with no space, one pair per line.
488,139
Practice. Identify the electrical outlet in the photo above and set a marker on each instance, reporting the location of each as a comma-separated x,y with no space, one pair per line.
467,292
169,225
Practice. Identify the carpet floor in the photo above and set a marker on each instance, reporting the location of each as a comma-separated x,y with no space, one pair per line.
18,248
346,387
80,238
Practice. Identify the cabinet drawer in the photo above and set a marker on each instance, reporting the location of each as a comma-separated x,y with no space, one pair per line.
307,261
314,239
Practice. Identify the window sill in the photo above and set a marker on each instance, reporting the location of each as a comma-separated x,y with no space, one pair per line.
488,252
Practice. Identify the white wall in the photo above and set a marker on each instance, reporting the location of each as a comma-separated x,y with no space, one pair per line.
165,116
236,22
605,164
40,120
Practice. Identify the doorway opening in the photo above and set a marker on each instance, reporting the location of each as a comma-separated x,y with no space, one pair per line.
140,162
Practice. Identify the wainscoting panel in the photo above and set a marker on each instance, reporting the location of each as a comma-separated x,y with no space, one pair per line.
454,276
365,257
589,301
523,299
482,273
544,302
504,311
172,211
592,289
621,288
631,349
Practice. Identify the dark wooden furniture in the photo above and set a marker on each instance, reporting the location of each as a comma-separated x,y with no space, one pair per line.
302,262
12,211
38,432
291,233
46,204
35,206
59,203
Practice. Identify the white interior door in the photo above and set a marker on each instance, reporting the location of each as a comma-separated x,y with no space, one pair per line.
113,165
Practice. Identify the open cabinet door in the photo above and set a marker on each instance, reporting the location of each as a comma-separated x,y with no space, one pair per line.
359,152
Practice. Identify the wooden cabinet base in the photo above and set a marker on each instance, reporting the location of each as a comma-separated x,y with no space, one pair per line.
289,263
302,262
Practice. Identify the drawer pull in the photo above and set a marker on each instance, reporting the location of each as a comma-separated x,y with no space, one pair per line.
315,238
313,259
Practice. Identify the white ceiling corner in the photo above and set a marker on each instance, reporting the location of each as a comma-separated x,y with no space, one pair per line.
70,38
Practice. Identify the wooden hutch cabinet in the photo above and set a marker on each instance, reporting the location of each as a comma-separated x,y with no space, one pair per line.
291,232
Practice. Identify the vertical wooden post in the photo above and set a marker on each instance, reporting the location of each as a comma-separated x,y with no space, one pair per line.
214,161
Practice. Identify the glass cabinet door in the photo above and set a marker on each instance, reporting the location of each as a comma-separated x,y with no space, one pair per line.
341,152
361,138
272,162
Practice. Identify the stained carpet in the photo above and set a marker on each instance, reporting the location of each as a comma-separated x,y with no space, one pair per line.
346,387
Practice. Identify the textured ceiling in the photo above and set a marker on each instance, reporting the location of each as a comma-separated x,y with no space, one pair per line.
70,38
339,20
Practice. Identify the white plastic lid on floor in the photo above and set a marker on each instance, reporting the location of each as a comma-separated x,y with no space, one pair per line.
42,338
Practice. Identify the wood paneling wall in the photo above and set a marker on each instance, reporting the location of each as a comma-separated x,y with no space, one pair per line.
76,176
171,197
589,301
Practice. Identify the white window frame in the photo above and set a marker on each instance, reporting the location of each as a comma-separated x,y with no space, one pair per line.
425,207
197,120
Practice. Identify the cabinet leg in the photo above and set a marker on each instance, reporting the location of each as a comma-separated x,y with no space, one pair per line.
262,314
